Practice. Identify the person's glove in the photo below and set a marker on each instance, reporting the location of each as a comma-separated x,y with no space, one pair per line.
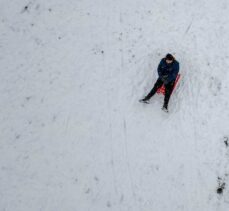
164,78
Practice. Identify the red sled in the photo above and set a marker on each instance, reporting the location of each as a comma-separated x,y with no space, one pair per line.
162,89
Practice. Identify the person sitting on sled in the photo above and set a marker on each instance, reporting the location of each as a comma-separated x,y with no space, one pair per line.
167,70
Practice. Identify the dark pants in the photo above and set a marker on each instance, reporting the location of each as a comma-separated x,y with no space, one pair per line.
168,91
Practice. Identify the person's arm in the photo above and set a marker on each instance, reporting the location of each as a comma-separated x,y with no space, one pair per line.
173,75
176,71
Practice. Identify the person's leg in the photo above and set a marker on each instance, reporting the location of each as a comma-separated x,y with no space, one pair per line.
157,85
168,92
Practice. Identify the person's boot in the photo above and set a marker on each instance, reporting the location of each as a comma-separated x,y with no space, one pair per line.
165,108
144,100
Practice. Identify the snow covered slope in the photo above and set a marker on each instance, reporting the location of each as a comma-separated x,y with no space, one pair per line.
73,135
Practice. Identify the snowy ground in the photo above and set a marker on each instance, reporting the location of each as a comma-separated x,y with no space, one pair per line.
73,135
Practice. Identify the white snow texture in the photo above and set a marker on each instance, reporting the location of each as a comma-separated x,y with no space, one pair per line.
74,136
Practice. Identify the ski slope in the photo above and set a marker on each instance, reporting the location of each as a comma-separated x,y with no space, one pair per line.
74,136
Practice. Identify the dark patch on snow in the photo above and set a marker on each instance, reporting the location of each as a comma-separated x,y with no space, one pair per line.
97,50
26,7
220,189
50,10
219,85
18,136
88,191
221,186
76,180
96,179
28,98
54,118
226,141
108,204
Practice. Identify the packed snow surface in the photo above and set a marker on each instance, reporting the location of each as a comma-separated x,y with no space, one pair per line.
73,136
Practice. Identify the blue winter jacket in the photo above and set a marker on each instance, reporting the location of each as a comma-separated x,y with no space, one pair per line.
168,72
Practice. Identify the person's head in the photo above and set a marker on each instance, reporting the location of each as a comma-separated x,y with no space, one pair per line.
169,58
